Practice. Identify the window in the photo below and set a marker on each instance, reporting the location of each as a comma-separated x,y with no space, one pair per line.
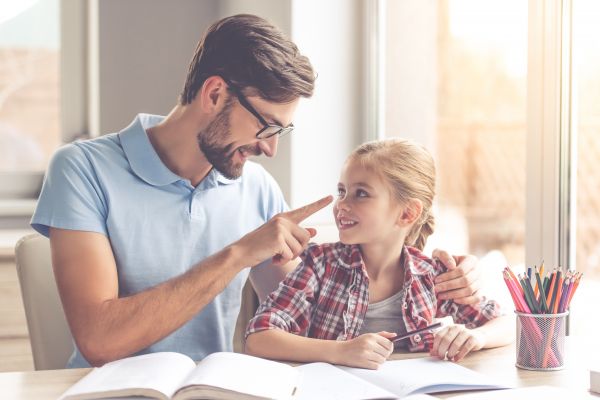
456,81
502,92
29,84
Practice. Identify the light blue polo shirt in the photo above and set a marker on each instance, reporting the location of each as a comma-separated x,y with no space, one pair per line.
158,224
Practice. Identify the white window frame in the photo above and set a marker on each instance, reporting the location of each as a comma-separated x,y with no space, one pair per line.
375,44
73,69
550,233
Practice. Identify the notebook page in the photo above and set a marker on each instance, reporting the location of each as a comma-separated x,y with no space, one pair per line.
162,372
425,375
245,374
321,381
528,393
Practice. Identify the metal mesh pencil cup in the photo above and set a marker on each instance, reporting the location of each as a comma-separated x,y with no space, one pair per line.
541,341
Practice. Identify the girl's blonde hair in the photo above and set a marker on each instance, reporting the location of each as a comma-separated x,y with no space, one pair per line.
409,170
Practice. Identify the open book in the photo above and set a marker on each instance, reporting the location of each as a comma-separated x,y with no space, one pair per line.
239,376
393,380
175,376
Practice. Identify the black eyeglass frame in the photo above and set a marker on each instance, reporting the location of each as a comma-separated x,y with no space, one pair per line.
268,130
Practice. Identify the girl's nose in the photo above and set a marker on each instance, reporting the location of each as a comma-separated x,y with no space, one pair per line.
342,204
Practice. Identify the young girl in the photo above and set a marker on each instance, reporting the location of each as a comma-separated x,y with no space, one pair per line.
347,299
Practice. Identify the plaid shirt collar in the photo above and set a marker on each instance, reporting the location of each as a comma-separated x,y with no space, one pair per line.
351,258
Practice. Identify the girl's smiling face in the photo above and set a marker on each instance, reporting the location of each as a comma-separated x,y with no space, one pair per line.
365,210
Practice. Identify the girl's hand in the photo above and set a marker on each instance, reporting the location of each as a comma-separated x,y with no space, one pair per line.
455,342
366,351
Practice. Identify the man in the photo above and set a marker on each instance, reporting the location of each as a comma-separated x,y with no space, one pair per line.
153,229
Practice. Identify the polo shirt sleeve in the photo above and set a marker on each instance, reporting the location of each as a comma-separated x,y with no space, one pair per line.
71,196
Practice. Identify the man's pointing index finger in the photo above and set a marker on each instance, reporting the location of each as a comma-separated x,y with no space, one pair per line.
300,214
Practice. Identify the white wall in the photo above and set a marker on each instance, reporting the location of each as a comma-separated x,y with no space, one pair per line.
330,124
144,48
411,66
278,12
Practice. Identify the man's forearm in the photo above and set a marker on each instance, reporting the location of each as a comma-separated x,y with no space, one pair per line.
122,326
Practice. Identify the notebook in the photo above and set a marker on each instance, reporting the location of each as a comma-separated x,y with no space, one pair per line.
394,379
526,393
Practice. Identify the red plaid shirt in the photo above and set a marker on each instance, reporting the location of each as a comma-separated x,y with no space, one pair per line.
327,296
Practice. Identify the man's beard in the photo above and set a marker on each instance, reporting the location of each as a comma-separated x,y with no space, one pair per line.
219,155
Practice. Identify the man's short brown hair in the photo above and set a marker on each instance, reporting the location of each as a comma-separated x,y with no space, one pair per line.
251,53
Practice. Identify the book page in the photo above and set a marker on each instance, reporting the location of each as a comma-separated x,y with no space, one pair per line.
139,375
246,374
322,381
425,375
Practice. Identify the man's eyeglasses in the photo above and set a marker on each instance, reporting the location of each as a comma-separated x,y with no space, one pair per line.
268,130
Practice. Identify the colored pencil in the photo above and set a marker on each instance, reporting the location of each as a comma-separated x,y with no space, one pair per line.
541,291
550,293
565,293
575,285
542,294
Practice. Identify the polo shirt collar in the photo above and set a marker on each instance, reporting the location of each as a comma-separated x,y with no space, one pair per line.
222,179
146,163
140,153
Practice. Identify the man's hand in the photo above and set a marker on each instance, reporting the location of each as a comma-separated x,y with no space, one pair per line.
455,342
366,351
462,282
281,238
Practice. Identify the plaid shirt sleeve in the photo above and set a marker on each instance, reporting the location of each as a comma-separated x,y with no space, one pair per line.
290,306
471,315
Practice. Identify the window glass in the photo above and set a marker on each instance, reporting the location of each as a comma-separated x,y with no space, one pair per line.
29,84
455,80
